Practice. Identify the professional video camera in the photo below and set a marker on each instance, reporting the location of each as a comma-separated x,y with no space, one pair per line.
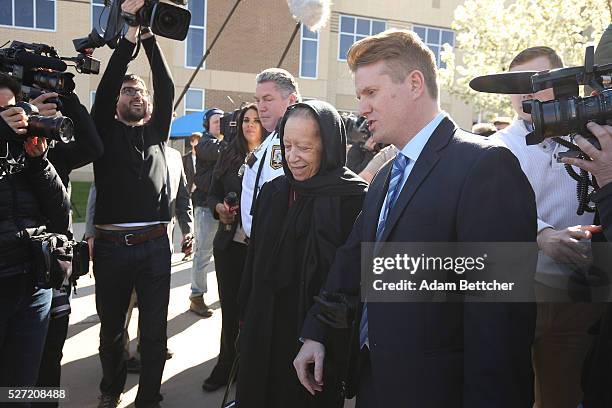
164,18
356,128
567,114
39,65
57,258
59,128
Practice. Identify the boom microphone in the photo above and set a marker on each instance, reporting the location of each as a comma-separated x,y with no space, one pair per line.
31,60
314,14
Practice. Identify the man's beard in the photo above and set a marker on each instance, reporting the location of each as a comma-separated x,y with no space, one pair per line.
130,115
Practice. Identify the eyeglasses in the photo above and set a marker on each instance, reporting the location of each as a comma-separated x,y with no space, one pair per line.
130,91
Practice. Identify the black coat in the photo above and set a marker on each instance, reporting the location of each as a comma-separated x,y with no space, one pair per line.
31,198
221,186
269,338
446,355
207,153
297,227
597,370
189,171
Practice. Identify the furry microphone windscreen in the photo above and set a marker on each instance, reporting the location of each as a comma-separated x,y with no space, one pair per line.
314,14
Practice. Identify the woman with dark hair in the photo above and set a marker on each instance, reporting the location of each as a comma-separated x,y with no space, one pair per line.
300,220
229,247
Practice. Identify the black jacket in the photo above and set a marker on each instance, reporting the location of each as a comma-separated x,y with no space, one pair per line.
131,174
189,169
357,158
221,186
31,198
86,146
207,154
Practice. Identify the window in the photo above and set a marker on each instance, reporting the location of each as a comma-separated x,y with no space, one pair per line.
309,53
196,37
36,14
434,38
194,101
353,29
99,15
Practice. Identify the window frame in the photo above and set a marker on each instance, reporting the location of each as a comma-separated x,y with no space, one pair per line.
203,28
186,110
307,39
33,28
354,33
439,44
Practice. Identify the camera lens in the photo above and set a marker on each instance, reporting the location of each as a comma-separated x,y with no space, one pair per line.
59,128
569,115
170,21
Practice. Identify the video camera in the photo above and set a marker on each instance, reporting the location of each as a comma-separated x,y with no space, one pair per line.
59,128
356,128
57,258
39,66
164,19
567,114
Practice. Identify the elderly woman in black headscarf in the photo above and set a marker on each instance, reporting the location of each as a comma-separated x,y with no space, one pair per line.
300,220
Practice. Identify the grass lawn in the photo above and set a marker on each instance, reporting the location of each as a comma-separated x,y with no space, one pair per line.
80,192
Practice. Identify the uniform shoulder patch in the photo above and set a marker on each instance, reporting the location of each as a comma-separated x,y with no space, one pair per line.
276,158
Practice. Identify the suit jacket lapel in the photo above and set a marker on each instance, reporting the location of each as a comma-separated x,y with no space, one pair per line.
423,166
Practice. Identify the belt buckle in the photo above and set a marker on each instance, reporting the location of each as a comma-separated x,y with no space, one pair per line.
126,238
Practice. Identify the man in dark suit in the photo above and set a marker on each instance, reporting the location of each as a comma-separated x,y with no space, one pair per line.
445,185
189,161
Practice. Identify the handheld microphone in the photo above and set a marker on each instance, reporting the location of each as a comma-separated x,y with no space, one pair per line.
231,203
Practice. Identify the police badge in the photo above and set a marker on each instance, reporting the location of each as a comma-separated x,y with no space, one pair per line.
276,158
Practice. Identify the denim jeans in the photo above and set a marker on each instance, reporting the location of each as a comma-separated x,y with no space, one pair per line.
119,269
24,318
205,227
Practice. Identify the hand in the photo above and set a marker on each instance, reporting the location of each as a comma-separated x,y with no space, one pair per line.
45,109
90,244
35,146
564,245
311,352
225,215
187,244
600,164
370,144
17,119
132,6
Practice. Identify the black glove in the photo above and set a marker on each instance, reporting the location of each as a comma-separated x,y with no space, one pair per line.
337,310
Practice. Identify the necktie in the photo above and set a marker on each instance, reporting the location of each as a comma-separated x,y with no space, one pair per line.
397,173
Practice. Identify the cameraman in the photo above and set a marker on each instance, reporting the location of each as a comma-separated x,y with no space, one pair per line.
562,329
361,153
131,247
29,199
65,157
597,369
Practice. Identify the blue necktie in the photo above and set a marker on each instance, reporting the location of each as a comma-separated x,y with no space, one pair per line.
397,173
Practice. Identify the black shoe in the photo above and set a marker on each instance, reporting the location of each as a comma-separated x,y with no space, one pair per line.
109,401
133,365
212,384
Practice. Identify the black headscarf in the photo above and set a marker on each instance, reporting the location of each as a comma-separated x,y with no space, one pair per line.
333,177
312,229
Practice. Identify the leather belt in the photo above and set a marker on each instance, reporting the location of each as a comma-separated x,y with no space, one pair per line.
134,237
